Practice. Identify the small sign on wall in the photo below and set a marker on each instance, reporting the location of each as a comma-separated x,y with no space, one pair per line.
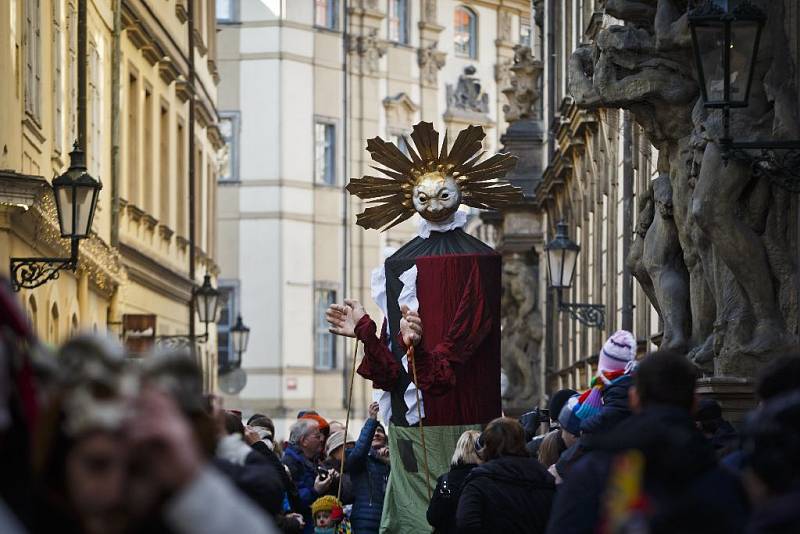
291,384
138,333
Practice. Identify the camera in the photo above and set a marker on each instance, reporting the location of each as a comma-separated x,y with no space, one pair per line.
322,473
531,421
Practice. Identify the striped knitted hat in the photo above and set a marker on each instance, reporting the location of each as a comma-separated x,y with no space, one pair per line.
618,351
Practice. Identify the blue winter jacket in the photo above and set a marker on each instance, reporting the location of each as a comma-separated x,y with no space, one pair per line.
303,472
369,476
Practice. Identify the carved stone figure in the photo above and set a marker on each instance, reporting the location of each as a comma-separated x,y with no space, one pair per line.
370,49
430,61
521,331
730,221
467,95
523,91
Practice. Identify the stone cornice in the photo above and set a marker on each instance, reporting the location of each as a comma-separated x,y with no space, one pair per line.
570,136
20,189
150,273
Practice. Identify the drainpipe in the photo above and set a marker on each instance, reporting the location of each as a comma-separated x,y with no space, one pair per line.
627,220
192,192
82,59
345,174
116,81
551,82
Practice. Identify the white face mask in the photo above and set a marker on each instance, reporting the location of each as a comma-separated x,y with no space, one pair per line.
436,197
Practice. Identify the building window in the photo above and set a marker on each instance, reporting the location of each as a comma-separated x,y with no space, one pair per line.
229,127
95,147
325,152
33,62
326,14
398,21
226,10
325,344
466,33
228,309
525,34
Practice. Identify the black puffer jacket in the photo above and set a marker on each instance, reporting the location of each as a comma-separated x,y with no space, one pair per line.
444,503
507,495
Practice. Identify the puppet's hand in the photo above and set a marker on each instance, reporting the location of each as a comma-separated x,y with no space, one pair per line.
410,326
343,318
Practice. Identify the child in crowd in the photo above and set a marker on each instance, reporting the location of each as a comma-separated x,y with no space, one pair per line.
329,516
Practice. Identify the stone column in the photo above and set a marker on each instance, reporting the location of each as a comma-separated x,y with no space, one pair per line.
521,240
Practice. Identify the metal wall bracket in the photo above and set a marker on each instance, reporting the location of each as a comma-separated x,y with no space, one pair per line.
591,315
30,273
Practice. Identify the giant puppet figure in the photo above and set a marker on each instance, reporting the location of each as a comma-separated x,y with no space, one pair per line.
440,296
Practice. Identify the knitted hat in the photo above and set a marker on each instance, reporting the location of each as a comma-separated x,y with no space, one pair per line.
558,400
568,418
323,424
618,352
327,503
335,441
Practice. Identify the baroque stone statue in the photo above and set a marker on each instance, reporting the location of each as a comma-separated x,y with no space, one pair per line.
523,90
716,258
468,95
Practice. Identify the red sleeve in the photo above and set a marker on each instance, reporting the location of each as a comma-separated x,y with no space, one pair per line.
468,328
378,364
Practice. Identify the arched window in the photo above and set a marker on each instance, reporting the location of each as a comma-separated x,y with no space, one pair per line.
466,32
33,314
53,331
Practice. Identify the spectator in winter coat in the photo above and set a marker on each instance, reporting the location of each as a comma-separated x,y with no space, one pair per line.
444,503
367,467
305,445
668,469
511,492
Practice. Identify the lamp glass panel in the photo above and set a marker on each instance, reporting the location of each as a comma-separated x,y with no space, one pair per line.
240,339
63,196
570,259
710,47
555,262
206,307
742,57
84,198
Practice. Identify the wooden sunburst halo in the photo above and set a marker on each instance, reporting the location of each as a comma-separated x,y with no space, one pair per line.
480,182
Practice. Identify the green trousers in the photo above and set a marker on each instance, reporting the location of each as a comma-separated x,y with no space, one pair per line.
406,501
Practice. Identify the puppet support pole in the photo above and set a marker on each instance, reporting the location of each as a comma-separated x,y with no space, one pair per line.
413,362
347,419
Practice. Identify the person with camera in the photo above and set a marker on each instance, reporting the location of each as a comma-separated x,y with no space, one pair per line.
305,445
444,503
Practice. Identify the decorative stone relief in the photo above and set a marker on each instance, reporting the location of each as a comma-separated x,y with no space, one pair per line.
430,61
429,11
467,95
370,49
400,110
504,24
523,90
502,72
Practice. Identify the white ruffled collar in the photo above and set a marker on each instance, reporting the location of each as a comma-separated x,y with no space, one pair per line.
458,220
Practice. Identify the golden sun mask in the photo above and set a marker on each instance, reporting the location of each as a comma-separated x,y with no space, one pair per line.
432,181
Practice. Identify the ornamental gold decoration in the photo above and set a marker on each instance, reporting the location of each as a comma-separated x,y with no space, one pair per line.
432,181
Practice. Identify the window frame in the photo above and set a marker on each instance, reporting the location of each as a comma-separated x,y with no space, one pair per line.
403,27
233,142
320,178
32,39
232,14
331,8
321,328
472,31
230,295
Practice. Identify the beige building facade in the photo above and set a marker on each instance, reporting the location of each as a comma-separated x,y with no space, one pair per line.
304,85
136,261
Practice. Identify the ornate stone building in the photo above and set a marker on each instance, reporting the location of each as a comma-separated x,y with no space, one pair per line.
136,261
633,167
300,98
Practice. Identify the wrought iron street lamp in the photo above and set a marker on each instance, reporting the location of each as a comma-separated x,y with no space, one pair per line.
76,194
206,302
562,256
725,36
240,337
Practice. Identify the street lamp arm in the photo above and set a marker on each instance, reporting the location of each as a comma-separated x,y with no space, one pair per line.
30,273
591,315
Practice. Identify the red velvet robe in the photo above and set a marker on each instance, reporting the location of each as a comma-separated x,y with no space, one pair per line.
458,359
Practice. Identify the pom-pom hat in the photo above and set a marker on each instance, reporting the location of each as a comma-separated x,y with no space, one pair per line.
618,352
328,503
